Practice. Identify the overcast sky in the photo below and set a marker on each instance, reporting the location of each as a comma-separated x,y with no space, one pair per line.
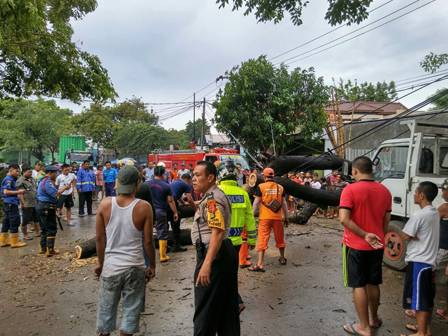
163,51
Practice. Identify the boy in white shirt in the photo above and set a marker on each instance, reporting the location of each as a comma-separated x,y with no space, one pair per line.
66,198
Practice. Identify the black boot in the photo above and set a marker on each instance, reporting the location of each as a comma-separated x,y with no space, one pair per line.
177,247
43,244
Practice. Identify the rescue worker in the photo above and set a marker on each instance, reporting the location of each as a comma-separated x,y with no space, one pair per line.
11,201
47,195
216,273
242,215
271,195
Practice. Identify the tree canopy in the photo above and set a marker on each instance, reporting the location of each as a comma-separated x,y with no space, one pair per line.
262,104
432,62
37,56
441,103
194,133
102,124
32,126
379,92
339,11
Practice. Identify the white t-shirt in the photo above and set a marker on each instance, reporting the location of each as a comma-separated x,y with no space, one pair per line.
63,180
315,185
423,224
34,174
182,172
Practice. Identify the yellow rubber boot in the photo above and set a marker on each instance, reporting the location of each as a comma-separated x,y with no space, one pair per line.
162,250
4,239
14,237
51,251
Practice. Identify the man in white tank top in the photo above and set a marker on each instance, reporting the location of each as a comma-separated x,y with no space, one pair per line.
120,223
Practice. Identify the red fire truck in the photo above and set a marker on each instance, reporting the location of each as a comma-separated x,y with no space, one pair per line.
194,156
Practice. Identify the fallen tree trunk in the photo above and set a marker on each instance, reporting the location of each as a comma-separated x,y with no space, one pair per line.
285,164
304,215
87,248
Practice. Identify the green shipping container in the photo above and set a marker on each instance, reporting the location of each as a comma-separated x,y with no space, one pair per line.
70,142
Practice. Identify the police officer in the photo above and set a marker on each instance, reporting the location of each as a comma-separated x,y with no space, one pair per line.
47,194
242,215
215,277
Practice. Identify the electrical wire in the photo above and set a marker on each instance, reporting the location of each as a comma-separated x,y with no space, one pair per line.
387,22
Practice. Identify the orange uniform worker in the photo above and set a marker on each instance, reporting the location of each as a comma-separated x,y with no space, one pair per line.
272,198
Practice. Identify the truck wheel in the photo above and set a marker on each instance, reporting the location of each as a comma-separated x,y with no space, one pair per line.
395,247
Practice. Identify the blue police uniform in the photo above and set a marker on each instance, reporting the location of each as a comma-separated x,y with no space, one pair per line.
86,182
46,210
11,221
109,177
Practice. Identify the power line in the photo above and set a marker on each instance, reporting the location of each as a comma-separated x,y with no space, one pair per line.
387,22
323,35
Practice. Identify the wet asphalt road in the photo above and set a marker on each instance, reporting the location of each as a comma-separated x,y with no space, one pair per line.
58,296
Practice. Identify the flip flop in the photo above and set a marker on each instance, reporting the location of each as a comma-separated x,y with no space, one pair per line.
256,268
412,327
410,313
27,238
70,224
282,263
376,326
440,313
37,235
351,330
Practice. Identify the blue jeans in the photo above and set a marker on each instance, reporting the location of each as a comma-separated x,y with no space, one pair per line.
11,222
162,224
110,191
131,284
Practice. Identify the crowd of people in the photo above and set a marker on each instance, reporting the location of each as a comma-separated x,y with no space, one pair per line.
136,200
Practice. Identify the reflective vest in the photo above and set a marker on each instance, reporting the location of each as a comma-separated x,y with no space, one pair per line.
85,180
242,215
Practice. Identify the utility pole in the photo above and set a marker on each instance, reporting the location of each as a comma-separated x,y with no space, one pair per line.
203,126
194,117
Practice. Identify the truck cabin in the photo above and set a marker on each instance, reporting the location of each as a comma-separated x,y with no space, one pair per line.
227,155
78,156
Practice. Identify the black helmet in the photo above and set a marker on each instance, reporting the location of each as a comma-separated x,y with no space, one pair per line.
227,170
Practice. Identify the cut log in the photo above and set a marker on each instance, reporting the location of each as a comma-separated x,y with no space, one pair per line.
185,211
85,249
304,215
285,164
185,238
255,180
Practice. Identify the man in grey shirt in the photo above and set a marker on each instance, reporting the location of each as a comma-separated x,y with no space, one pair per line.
28,201
422,232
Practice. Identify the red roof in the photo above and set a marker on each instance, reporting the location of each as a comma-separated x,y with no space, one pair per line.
346,107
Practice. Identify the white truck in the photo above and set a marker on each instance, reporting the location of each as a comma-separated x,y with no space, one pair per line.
400,165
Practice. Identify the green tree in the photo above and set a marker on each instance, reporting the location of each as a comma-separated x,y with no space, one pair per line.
38,57
350,11
196,129
379,92
432,62
101,124
441,103
32,125
262,105
179,138
139,138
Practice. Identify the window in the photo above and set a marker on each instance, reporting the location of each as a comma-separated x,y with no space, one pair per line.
392,163
443,157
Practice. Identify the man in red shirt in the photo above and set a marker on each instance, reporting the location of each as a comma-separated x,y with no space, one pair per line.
365,209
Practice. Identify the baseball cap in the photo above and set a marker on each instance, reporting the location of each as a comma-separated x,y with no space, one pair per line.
182,164
127,179
51,168
445,184
269,172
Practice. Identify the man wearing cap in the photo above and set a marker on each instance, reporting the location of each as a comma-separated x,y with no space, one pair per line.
120,224
216,273
11,220
47,195
182,171
272,198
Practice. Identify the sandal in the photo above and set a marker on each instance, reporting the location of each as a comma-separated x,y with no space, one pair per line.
410,313
26,237
282,263
376,326
256,268
440,313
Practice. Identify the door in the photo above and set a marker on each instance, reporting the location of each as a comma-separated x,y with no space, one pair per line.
390,170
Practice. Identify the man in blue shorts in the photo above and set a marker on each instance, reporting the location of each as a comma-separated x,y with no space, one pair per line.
422,232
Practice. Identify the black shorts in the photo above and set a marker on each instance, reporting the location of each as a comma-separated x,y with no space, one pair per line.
419,291
362,267
65,200
29,215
